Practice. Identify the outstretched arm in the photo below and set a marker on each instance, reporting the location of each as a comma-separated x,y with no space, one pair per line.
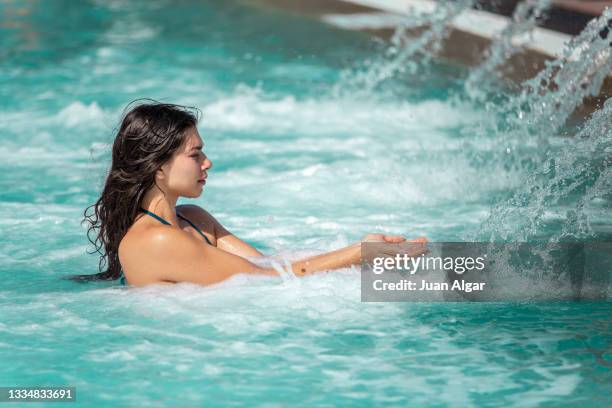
341,258
350,255
171,256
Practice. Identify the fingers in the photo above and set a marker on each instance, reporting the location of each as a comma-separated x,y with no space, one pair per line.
394,238
399,238
416,247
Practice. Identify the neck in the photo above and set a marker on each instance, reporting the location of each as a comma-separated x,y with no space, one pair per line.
162,205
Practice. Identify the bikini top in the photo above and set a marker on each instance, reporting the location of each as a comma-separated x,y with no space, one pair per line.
160,219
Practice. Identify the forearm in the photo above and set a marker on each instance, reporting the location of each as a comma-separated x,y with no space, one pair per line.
345,257
341,258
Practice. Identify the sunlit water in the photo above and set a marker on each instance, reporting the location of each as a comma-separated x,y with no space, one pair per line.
296,171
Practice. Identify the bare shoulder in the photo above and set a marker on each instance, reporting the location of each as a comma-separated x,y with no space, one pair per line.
146,255
163,254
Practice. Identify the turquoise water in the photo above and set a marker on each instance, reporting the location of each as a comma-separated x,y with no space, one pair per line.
298,169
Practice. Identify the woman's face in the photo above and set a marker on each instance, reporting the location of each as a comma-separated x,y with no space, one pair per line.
185,173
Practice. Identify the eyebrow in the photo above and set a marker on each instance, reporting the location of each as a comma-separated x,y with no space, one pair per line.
198,147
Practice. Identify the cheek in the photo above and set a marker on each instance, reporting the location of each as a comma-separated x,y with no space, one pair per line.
187,168
184,173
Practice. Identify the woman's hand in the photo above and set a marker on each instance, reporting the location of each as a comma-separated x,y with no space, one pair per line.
418,247
393,239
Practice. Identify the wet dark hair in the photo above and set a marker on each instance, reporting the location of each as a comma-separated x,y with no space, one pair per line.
149,134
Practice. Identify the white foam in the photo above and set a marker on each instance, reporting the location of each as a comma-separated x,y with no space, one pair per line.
78,113
128,30
251,109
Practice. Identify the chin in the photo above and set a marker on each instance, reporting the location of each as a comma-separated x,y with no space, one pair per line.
192,194
198,193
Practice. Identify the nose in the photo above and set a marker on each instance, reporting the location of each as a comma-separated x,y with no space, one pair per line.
207,164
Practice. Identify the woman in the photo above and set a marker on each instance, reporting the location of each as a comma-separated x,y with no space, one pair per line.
144,237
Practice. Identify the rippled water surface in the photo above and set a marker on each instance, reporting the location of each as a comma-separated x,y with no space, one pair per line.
298,169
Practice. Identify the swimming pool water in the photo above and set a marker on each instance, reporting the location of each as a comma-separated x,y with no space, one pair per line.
297,170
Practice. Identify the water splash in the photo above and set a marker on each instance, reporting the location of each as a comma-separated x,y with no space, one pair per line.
547,100
509,42
564,177
398,58
524,127
569,189
567,199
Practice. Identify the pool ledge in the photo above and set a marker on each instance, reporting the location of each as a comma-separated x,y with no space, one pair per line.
469,37
475,22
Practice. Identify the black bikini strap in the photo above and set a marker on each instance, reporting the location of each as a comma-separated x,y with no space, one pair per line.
157,217
196,228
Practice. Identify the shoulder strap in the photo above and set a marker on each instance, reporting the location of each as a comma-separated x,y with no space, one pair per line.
157,217
196,228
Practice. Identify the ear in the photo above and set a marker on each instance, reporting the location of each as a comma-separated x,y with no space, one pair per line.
161,173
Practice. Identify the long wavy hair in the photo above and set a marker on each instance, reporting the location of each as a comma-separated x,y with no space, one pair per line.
149,134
